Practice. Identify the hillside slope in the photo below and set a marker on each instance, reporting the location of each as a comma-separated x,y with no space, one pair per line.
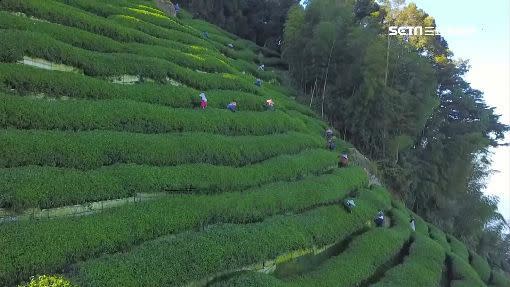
111,175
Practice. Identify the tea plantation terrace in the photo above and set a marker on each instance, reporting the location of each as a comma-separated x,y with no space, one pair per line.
99,102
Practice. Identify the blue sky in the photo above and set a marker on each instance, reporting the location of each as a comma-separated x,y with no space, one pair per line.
483,37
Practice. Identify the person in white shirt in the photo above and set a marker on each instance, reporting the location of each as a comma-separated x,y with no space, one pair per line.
270,105
412,223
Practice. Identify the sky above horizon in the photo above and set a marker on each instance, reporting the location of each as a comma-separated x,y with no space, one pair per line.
480,32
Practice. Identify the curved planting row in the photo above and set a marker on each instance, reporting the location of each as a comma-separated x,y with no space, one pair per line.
93,149
351,268
500,278
75,17
439,236
423,266
252,69
195,255
481,266
360,261
137,25
32,249
17,44
70,16
160,26
48,187
124,115
215,33
201,62
200,58
462,273
86,40
26,79
71,35
130,17
458,247
242,50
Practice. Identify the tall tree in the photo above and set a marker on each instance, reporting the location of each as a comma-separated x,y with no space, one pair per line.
404,103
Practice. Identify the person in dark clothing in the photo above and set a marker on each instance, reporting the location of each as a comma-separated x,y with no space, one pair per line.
379,219
329,133
331,145
349,204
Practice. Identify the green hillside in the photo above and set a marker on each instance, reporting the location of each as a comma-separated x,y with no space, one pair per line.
111,174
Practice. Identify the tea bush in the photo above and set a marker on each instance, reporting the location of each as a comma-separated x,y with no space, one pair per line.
17,44
463,274
500,278
422,267
83,237
125,115
361,259
24,79
458,248
89,41
69,16
195,255
47,187
358,262
439,237
93,149
62,84
70,35
481,266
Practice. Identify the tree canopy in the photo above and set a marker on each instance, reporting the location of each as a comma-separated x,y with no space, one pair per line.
403,101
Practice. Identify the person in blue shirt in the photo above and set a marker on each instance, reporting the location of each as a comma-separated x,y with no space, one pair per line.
232,106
